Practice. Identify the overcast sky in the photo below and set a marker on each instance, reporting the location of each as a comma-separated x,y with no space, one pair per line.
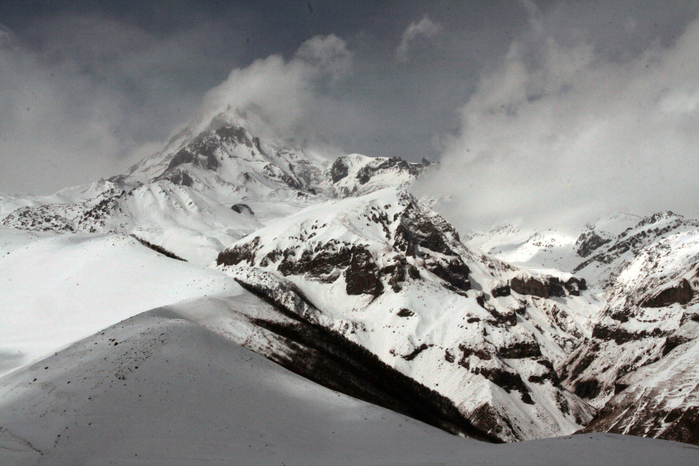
535,109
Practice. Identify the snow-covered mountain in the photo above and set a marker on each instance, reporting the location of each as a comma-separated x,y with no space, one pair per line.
637,367
206,189
385,272
333,270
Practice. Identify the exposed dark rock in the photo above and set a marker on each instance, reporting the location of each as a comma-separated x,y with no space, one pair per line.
681,293
396,273
480,353
413,354
339,170
547,287
454,271
634,242
239,253
329,358
506,380
180,177
362,275
500,291
236,134
620,387
508,318
94,219
647,417
521,350
588,389
366,172
416,229
200,155
242,209
620,316
38,219
405,313
673,341
683,425
549,374
621,335
588,242
529,286
581,363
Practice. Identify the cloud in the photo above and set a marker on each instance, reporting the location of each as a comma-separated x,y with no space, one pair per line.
424,28
561,133
328,55
79,94
288,95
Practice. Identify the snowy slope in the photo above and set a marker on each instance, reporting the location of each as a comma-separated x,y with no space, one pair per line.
160,388
57,289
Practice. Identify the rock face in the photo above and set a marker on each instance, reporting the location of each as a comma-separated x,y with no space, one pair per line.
393,277
681,293
635,367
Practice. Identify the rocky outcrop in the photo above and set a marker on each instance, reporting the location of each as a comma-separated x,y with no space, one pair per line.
545,287
681,293
588,242
339,170
243,209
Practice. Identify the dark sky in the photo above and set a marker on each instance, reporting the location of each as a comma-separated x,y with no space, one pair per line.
89,87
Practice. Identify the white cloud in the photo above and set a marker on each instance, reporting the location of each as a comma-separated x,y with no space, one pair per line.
328,54
425,28
559,134
284,93
74,108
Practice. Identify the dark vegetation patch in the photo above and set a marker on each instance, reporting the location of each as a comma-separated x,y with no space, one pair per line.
158,249
332,360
